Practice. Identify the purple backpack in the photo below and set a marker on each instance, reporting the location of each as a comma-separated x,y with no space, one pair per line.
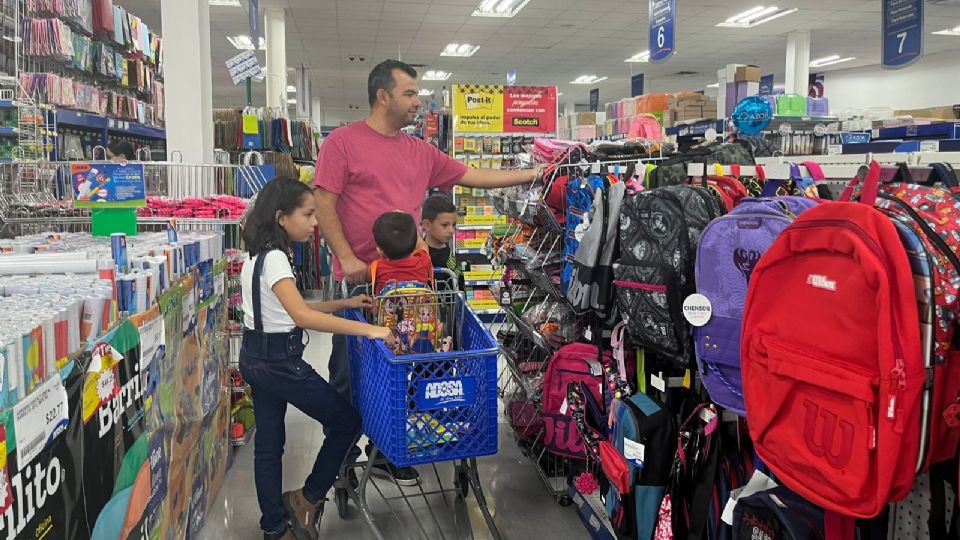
729,249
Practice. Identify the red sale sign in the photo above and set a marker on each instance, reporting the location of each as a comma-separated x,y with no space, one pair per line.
530,109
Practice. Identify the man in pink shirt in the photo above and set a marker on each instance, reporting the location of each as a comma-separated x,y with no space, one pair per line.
371,167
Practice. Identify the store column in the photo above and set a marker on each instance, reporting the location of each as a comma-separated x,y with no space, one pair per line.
304,93
276,40
188,86
798,63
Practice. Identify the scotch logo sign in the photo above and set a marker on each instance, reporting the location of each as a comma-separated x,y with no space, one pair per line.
479,108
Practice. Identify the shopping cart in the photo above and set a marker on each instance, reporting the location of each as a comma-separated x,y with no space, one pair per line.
424,409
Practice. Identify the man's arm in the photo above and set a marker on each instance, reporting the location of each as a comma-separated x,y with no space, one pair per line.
493,178
354,270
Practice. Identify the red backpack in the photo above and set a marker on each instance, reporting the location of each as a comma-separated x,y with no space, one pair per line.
576,362
831,361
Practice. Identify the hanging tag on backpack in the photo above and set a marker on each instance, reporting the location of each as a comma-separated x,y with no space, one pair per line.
588,334
506,298
697,309
634,452
656,381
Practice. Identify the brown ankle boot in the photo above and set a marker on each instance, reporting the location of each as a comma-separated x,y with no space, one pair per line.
304,516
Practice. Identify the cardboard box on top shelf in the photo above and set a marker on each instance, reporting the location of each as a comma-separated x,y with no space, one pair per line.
745,89
586,119
730,73
948,113
747,74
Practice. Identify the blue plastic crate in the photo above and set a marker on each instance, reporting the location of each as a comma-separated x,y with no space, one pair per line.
433,407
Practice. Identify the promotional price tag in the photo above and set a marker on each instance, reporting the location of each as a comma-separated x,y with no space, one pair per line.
39,418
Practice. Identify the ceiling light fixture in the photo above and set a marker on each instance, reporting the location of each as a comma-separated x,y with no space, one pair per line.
587,79
714,85
499,8
949,32
830,60
639,57
436,75
755,17
291,89
424,92
225,3
244,43
291,101
460,49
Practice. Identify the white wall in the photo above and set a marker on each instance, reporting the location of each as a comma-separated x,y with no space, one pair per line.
931,82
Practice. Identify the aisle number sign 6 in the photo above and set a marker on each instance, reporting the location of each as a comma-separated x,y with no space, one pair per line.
662,29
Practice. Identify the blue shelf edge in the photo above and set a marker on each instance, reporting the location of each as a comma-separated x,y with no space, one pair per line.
94,121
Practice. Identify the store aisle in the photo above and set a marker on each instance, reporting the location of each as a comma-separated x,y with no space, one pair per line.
516,496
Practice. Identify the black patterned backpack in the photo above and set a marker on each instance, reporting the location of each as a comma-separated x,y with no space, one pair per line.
659,232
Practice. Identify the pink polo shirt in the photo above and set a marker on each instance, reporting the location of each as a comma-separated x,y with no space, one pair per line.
373,173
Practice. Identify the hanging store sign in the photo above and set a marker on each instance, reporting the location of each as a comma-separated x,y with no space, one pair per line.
662,29
108,185
595,100
504,109
902,32
244,66
636,85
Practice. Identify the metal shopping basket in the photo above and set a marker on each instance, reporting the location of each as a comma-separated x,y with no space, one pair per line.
428,408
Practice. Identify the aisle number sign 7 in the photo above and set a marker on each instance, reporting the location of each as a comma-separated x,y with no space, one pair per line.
662,29
902,32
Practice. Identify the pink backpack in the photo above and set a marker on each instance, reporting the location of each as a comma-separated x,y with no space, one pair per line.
646,126
573,363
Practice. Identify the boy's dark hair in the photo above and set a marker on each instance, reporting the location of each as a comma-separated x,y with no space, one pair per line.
395,234
381,77
122,148
436,205
261,230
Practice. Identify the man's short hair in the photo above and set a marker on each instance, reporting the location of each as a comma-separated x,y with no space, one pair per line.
436,205
395,234
381,77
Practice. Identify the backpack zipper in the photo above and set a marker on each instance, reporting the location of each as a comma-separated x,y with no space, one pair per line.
898,380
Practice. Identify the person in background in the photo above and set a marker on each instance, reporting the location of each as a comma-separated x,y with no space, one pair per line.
369,167
438,220
121,152
271,360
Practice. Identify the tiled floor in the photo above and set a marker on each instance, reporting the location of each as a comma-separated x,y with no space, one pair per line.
521,506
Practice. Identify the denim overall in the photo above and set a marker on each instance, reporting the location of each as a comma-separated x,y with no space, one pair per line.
272,364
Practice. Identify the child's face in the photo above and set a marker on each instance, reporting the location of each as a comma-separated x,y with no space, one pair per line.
440,229
299,224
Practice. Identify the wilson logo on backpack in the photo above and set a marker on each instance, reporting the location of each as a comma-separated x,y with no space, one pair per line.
838,456
822,282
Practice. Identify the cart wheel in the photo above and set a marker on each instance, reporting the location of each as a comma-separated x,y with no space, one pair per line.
462,482
564,500
341,497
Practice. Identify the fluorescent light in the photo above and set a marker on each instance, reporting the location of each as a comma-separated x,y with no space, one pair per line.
244,43
587,79
499,8
291,101
714,85
755,16
639,57
424,92
225,3
436,75
830,60
949,32
559,94
291,89
460,49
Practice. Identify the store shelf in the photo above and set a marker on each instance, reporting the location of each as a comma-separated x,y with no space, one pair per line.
946,130
800,123
8,131
186,221
94,121
475,227
476,283
471,251
696,129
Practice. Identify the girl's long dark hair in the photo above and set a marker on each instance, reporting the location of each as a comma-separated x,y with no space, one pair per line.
262,230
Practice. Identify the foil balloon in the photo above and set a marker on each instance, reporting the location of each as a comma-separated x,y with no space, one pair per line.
752,114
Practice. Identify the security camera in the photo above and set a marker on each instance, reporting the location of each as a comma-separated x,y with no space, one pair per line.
352,58
363,58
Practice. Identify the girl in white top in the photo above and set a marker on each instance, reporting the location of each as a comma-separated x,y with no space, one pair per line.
271,360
